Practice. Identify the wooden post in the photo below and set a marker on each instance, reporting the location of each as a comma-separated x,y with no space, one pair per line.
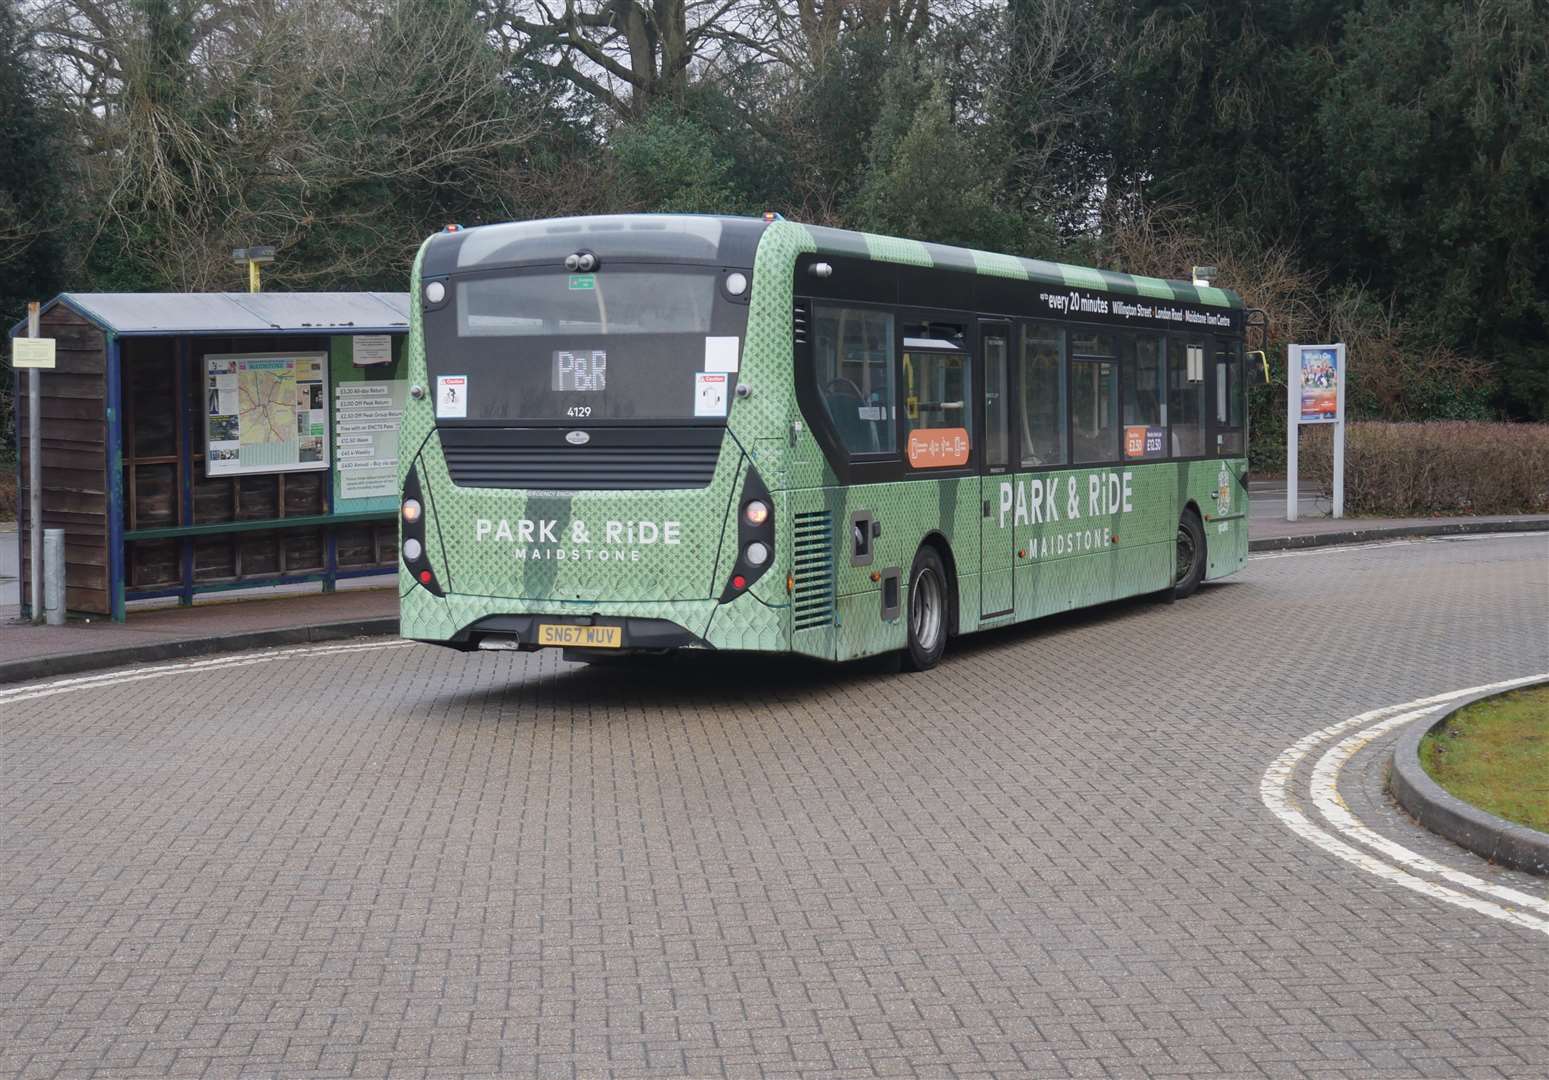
35,473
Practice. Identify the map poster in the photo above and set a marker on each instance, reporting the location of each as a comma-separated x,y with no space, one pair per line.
366,420
265,413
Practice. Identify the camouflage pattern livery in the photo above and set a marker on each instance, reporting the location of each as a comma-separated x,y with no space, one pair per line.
1052,541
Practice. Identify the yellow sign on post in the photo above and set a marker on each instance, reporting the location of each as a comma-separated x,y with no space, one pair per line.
35,352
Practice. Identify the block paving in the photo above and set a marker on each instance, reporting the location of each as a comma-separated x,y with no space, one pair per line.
1046,858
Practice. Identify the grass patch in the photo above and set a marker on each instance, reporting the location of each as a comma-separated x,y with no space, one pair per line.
1495,755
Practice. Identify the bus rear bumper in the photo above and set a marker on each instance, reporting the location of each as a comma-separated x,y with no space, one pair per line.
458,621
505,632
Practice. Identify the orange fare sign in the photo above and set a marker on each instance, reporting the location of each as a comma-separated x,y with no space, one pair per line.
938,448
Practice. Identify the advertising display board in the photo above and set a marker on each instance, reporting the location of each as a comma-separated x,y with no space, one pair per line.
1319,383
265,413
1315,394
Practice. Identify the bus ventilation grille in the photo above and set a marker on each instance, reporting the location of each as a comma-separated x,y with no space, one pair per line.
812,600
799,324
645,466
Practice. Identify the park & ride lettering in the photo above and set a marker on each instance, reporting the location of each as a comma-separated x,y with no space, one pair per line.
621,541
1044,500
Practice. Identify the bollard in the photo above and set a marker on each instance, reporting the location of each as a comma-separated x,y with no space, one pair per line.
54,576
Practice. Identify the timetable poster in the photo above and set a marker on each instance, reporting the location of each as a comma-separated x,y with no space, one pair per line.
366,420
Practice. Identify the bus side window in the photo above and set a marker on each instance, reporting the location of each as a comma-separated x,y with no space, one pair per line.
1230,391
1043,395
1185,402
1094,396
1144,387
852,360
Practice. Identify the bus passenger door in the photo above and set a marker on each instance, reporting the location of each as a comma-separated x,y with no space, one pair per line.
996,558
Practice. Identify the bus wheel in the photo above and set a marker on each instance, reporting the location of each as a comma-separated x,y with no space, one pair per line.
1191,555
928,620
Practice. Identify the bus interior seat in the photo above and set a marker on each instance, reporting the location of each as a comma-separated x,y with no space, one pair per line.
856,434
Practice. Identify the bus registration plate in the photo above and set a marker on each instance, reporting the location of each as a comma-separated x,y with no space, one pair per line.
583,637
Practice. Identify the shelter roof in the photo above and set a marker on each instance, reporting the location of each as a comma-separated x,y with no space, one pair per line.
166,314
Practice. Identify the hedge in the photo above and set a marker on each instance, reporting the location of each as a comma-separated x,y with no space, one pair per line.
1440,467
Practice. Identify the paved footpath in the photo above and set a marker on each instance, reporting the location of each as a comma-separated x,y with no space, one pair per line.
1053,856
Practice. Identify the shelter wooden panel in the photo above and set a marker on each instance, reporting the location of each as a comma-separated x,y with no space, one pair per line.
73,398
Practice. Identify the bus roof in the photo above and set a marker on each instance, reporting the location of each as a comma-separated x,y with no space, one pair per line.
733,241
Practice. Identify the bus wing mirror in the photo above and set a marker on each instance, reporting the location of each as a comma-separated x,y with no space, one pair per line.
1258,368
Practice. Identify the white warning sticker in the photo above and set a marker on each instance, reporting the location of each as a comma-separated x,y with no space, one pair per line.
710,393
451,397
721,354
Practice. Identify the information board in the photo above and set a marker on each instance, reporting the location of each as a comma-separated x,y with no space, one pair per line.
366,420
265,413
368,401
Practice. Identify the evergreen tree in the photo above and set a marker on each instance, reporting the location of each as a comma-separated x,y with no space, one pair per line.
1442,193
31,183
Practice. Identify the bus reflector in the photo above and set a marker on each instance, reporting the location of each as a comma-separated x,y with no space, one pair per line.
739,582
425,577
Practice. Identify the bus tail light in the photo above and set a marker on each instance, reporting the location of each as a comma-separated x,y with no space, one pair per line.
412,545
755,536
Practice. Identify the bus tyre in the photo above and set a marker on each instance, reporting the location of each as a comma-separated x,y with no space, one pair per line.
929,594
1190,556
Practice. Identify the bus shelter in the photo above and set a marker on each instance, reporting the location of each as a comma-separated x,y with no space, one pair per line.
202,442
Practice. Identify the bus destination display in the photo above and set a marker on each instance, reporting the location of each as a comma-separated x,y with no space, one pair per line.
579,370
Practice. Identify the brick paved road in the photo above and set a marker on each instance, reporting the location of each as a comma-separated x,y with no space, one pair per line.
1046,858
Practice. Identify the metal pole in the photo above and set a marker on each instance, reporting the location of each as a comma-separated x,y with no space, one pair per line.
35,474
1339,437
253,282
1292,393
54,576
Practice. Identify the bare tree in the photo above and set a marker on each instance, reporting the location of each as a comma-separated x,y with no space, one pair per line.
303,123
628,54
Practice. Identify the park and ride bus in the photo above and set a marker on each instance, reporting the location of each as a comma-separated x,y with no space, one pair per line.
642,433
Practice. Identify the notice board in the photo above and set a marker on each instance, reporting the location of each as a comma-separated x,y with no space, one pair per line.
367,410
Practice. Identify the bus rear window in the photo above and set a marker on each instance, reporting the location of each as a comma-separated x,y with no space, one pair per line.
623,344
618,302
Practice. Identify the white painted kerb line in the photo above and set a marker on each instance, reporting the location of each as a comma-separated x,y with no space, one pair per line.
118,678
1406,541
1518,908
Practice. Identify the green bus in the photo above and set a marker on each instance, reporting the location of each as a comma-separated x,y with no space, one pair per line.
640,433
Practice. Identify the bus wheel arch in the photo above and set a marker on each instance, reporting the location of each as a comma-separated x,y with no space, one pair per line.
1190,550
